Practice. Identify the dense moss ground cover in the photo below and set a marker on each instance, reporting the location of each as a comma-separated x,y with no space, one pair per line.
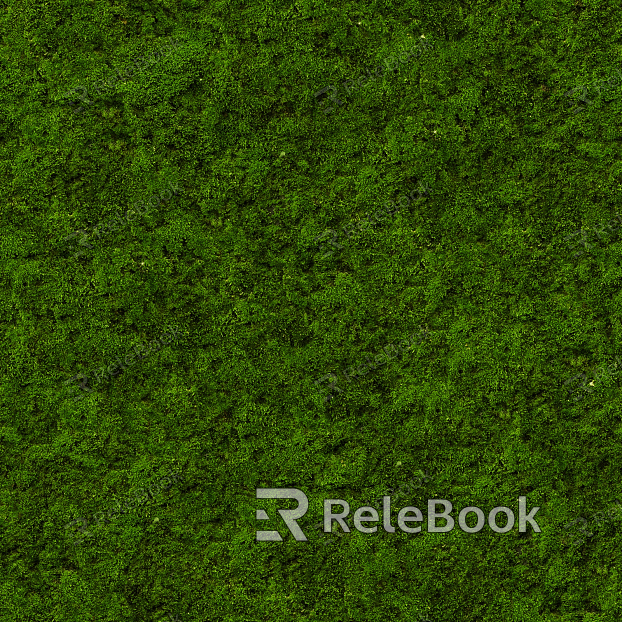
163,359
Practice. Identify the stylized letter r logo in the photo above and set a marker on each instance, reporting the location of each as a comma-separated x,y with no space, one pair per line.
289,516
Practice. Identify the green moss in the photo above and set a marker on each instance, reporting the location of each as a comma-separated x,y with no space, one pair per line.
486,118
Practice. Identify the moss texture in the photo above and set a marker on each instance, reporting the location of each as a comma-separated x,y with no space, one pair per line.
290,188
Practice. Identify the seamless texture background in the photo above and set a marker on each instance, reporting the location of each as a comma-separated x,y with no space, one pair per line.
487,119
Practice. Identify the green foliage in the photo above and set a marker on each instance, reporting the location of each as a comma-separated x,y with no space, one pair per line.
486,118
